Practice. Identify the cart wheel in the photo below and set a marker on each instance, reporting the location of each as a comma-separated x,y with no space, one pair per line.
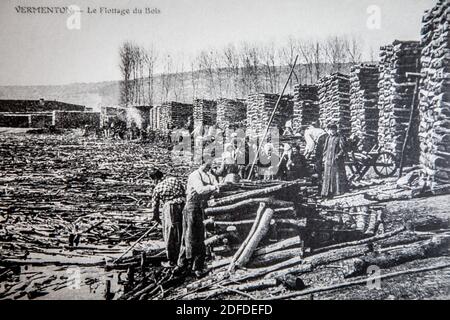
385,165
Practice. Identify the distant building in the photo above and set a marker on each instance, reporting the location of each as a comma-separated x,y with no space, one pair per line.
33,113
32,106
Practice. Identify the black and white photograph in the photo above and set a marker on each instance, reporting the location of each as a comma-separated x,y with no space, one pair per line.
197,151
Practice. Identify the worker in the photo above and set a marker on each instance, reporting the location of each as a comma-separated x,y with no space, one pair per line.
313,134
288,131
170,193
292,163
200,186
334,175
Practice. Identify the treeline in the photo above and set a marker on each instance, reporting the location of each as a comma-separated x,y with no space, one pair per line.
233,71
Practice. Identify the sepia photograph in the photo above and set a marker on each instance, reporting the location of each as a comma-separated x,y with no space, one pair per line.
211,151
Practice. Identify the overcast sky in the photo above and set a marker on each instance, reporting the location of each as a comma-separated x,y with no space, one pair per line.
38,49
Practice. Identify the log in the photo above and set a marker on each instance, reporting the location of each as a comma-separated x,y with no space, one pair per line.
359,281
275,257
260,232
359,242
284,244
252,194
259,214
390,257
251,286
314,261
233,208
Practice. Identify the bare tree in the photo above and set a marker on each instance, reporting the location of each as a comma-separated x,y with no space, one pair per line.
287,54
126,65
317,58
354,47
269,64
205,62
151,57
232,64
336,52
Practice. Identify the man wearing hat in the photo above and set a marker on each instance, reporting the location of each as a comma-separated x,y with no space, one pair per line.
170,193
334,176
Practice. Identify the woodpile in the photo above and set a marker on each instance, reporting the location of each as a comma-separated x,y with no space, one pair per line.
259,110
334,99
174,115
434,105
306,107
396,93
363,104
204,112
230,113
75,119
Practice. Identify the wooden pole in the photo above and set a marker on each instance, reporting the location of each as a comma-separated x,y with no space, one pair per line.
271,119
411,117
134,244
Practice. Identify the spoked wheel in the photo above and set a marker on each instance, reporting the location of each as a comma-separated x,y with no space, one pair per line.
385,165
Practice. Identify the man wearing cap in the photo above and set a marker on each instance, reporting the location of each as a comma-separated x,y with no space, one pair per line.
334,176
169,192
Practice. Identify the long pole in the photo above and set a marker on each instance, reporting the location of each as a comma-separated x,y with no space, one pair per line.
411,119
134,244
271,119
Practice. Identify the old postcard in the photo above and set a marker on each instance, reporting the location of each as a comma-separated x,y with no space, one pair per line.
223,150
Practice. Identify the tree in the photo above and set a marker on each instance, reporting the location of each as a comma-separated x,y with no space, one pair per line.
126,66
336,52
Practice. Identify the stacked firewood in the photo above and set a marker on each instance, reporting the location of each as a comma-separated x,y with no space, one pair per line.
306,106
174,115
334,99
204,112
260,107
363,104
230,113
396,93
434,106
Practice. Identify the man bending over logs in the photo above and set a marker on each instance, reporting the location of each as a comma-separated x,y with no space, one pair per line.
200,185
170,193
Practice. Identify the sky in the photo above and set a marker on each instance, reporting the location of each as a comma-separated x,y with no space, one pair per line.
39,49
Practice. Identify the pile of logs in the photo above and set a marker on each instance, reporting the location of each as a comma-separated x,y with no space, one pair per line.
334,99
396,94
363,104
230,113
259,110
434,106
204,112
306,107
174,115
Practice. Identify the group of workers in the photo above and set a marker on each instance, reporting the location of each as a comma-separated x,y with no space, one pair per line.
183,205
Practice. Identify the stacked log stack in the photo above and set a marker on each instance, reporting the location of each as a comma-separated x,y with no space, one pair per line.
434,105
306,107
334,99
363,104
396,94
174,115
260,107
230,112
204,112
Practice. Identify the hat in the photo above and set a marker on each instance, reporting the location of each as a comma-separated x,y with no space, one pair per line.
332,126
155,173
